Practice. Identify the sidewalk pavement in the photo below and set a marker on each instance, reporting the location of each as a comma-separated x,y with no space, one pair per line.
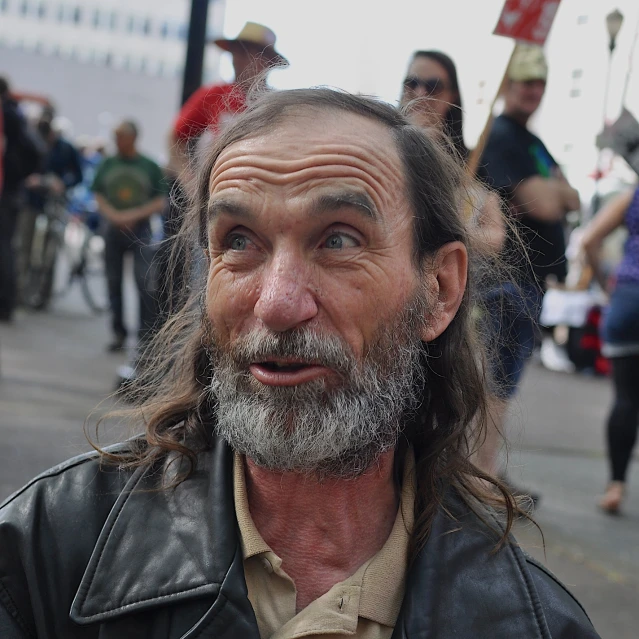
54,371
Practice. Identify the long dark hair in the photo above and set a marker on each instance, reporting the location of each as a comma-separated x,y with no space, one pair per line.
454,121
171,401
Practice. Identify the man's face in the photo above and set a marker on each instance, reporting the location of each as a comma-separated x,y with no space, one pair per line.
249,63
524,98
314,307
124,140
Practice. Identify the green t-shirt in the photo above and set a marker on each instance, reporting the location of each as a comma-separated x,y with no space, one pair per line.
129,182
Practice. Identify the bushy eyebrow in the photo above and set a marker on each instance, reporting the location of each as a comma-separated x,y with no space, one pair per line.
326,203
329,202
227,206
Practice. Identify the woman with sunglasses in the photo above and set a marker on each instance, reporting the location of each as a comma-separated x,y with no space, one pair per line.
432,75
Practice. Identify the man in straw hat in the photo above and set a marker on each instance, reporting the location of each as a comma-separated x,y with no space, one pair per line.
518,165
210,107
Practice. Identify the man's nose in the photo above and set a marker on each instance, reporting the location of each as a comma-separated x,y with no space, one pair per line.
286,299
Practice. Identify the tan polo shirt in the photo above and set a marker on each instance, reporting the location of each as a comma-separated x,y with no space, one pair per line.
365,605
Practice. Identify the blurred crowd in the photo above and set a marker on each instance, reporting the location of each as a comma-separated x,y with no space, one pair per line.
556,296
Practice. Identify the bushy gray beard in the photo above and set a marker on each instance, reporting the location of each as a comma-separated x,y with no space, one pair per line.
319,428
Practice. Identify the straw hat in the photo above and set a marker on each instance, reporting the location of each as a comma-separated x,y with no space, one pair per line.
257,37
528,63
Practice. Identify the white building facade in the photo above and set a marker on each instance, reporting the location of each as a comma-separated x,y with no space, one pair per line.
102,61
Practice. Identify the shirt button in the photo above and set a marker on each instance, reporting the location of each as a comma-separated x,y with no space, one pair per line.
267,565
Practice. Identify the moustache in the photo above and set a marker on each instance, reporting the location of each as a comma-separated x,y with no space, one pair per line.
301,344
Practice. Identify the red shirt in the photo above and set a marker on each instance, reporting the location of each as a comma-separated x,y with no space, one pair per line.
208,108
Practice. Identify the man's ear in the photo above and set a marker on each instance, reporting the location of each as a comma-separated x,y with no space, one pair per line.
447,284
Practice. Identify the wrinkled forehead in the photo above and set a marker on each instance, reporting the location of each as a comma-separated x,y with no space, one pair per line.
313,144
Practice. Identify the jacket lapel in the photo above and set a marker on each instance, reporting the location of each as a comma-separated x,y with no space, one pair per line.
458,587
161,547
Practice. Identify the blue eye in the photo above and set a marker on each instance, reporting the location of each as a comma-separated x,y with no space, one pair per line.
238,243
338,241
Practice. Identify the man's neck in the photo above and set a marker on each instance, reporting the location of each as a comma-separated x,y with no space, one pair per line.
251,83
517,116
323,531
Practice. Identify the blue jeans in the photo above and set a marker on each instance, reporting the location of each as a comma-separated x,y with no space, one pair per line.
511,320
620,326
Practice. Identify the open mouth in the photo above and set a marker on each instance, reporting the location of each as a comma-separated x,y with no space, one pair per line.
282,367
287,373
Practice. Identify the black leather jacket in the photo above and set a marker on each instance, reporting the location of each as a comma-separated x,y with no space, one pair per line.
99,553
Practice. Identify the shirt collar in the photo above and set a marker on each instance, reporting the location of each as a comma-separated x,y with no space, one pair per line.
383,578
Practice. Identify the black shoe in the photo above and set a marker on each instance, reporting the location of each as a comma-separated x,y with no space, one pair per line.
117,345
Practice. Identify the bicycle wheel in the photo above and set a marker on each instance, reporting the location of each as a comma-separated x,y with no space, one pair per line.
93,274
39,286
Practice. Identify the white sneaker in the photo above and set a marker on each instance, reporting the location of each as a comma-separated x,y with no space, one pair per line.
554,357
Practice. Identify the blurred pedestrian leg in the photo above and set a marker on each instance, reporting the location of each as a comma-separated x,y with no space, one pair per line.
9,209
117,244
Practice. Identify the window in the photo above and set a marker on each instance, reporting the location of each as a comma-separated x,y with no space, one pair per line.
182,32
577,73
24,8
61,13
108,59
164,30
582,19
146,26
77,15
42,11
130,24
143,65
113,21
95,21
575,93
4,6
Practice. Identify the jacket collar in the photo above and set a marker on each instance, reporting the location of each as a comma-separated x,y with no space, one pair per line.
163,546
458,586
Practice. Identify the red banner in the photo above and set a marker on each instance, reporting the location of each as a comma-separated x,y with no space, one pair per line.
527,20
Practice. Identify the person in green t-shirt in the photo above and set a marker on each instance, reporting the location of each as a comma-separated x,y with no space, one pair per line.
129,188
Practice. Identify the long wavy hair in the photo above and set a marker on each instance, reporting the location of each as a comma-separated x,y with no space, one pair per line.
170,401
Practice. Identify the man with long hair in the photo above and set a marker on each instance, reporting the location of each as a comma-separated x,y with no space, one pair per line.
305,464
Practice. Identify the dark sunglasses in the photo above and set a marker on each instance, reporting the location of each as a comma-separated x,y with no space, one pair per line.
431,86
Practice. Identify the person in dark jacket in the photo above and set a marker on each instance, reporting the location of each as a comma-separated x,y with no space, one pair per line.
20,156
304,469
62,164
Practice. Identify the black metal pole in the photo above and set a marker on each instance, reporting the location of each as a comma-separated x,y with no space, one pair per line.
194,64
